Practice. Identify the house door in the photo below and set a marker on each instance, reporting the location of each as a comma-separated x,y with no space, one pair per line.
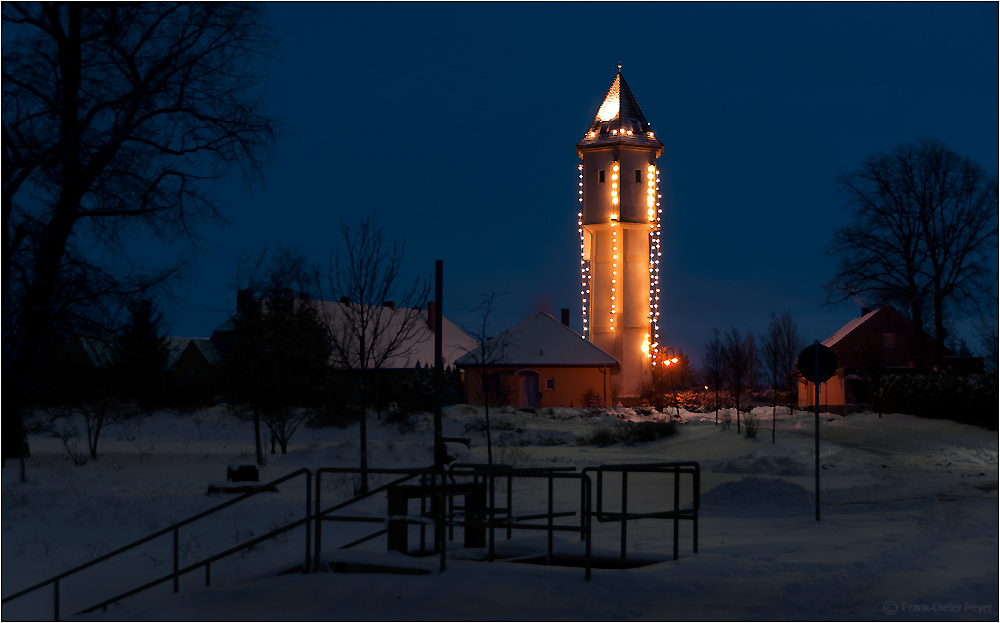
528,389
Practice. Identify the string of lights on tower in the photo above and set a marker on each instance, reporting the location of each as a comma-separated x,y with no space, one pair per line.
619,222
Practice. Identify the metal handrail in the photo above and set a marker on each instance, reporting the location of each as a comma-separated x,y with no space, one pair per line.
444,518
201,563
55,580
519,521
676,468
323,514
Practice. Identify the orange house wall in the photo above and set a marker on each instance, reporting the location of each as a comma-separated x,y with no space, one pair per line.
570,384
831,392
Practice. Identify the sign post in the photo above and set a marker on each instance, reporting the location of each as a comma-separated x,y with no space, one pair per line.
817,363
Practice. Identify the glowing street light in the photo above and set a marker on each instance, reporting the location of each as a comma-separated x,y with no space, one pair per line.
672,360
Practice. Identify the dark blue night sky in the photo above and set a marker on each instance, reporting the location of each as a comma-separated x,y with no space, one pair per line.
456,125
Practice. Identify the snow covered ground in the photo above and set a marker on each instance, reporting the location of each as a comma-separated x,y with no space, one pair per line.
908,531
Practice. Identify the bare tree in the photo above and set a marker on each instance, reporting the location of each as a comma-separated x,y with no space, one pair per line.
985,328
86,386
378,318
780,347
753,375
737,359
280,357
115,117
491,352
791,347
923,235
715,364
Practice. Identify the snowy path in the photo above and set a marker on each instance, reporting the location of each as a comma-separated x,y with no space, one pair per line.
908,532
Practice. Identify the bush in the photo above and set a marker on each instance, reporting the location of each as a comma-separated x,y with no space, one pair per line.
512,456
608,435
629,433
969,399
645,432
340,416
401,418
751,422
725,419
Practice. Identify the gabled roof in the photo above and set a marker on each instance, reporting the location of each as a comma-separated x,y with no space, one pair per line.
176,346
208,350
99,350
541,340
845,330
884,319
418,349
619,120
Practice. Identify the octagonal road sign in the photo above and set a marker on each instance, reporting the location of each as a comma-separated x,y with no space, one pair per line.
827,363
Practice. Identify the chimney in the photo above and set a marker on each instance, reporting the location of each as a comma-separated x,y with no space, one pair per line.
865,311
288,293
345,300
389,304
565,315
430,315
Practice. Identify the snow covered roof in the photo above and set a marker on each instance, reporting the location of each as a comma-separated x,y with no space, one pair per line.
207,349
99,350
176,346
541,340
843,331
419,348
619,120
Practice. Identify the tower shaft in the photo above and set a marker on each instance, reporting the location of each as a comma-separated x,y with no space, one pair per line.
619,226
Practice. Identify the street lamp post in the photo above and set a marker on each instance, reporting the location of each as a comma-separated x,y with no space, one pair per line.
671,359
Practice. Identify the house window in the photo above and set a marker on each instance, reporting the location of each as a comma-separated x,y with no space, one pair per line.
638,175
888,341
550,385
600,176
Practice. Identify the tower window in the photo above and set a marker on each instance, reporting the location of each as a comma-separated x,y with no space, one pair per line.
638,175
600,176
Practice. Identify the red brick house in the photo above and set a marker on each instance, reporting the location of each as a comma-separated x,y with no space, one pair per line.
883,340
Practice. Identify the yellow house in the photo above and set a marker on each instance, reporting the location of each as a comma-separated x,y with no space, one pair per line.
540,363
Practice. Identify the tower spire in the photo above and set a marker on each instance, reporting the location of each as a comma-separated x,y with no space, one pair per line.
619,120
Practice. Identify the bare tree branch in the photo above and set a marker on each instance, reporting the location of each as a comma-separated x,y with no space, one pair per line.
120,113
923,236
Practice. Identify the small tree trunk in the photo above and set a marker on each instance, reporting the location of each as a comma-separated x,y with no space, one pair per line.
716,402
489,440
256,435
738,405
774,414
364,441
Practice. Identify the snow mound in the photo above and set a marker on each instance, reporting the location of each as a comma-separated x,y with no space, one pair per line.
754,463
753,495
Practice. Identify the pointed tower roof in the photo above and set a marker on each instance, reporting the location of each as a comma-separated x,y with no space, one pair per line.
619,120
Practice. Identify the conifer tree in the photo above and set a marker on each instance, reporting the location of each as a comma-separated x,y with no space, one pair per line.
142,355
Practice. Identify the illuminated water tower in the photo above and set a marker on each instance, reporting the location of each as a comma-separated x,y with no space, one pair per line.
619,223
